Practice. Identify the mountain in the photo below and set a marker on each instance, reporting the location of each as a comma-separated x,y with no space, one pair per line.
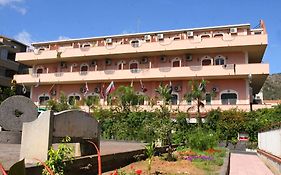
272,87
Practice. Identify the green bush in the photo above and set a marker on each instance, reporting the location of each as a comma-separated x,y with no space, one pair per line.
200,139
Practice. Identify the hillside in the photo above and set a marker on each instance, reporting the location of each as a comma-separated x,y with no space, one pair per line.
272,87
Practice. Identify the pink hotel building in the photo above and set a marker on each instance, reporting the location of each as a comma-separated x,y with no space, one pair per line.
228,57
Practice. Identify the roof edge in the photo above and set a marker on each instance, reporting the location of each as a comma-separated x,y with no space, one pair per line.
141,33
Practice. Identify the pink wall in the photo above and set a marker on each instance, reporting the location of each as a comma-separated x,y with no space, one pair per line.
238,85
231,58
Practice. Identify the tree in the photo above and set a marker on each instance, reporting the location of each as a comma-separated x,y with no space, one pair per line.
198,95
125,97
165,93
90,101
166,124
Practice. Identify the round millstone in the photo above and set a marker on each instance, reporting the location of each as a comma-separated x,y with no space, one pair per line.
15,110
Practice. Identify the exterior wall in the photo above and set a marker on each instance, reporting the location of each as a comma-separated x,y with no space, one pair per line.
153,61
237,85
270,141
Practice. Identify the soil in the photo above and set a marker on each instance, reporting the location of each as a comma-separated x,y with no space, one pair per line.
160,166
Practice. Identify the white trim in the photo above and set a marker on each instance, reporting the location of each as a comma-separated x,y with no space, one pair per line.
247,25
73,94
43,95
122,62
228,91
174,60
84,64
219,57
73,65
207,57
39,67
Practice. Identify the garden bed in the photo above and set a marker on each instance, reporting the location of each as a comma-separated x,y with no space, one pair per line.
186,162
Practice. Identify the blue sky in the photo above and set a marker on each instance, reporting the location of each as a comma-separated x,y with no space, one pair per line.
41,20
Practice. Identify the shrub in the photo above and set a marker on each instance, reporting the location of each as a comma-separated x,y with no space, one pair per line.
201,139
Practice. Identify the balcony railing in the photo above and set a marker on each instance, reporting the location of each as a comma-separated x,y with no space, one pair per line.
196,42
153,73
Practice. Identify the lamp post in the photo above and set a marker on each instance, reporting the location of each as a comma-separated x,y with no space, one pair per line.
250,92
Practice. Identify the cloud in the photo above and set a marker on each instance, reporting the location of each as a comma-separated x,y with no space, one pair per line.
14,4
24,37
63,38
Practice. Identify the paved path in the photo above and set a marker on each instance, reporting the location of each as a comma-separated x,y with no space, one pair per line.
10,153
246,164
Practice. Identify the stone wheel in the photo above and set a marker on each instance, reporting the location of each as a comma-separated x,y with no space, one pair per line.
15,110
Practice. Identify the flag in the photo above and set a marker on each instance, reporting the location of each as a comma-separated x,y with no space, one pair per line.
38,83
102,90
110,88
86,89
143,89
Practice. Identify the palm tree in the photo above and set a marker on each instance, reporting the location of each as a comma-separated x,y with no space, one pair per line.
126,96
90,101
165,93
197,94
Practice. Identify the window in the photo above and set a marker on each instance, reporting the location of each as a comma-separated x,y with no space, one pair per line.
229,98
39,70
43,99
219,60
73,98
208,99
206,62
84,69
120,65
135,43
134,65
176,62
174,99
189,101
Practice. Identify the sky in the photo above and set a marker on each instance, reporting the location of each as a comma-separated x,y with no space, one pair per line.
43,20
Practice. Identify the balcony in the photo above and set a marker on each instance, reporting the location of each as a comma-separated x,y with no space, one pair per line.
254,43
9,64
258,71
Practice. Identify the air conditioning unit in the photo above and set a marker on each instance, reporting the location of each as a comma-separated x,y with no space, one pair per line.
188,57
147,37
108,62
160,36
63,65
233,30
189,34
177,88
215,89
163,59
93,63
108,40
144,60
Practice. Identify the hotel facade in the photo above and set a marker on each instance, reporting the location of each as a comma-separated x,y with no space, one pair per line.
228,57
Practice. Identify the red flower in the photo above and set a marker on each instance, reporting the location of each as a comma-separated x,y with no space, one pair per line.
138,171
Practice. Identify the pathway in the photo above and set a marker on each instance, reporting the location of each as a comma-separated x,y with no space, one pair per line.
246,164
